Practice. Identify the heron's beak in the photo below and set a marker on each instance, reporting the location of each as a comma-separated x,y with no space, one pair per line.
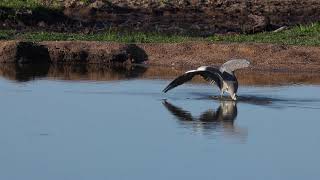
234,97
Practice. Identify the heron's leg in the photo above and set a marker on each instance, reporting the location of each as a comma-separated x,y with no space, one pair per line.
234,96
221,93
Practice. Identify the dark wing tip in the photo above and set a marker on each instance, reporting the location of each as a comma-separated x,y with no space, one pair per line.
187,76
166,89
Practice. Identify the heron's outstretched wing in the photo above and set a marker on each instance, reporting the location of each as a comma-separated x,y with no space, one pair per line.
187,76
234,64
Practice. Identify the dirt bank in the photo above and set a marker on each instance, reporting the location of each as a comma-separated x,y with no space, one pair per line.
192,17
197,17
192,54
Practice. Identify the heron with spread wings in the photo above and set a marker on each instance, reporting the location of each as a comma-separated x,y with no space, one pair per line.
223,77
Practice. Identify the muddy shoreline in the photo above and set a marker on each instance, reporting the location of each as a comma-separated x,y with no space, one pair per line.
98,72
264,57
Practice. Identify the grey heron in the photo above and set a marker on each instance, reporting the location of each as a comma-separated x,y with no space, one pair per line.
223,77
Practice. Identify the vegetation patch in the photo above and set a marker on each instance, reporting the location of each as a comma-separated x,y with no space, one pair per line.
112,36
6,35
299,35
30,4
15,4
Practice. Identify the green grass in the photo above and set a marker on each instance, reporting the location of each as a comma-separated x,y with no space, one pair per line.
6,34
111,36
299,35
29,4
107,36
20,4
85,1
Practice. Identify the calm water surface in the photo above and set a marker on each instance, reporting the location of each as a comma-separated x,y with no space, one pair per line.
77,125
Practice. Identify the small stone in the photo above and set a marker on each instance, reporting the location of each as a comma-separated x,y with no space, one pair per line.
42,24
97,5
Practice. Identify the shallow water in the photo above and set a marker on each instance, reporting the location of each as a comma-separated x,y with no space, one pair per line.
119,125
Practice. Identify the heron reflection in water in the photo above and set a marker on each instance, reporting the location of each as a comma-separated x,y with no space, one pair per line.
219,120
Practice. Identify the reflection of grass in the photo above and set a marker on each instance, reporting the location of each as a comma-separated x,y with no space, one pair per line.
299,35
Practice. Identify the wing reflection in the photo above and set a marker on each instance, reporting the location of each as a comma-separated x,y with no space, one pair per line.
211,121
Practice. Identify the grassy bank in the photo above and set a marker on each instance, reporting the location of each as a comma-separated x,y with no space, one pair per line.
30,4
300,35
111,36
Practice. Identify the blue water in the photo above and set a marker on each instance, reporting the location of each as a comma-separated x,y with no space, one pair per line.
128,129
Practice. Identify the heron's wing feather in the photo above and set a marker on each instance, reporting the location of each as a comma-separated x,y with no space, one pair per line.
187,76
178,112
234,64
213,75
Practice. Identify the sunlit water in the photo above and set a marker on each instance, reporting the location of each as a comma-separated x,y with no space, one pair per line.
128,129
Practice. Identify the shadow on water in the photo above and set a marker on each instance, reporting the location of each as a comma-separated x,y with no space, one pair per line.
220,119
263,100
